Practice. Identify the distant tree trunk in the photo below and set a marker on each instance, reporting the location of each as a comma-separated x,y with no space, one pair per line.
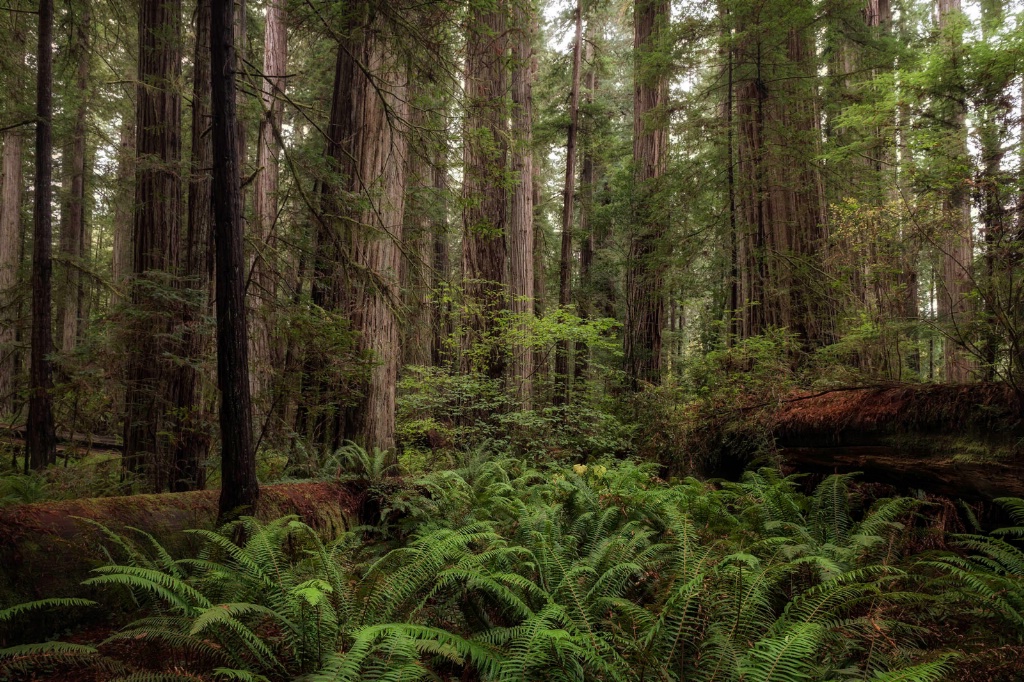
782,232
563,352
192,440
240,28
418,239
440,345
124,198
520,227
992,124
540,355
40,437
728,56
368,145
263,284
957,247
10,236
645,266
73,237
588,179
156,232
239,488
484,216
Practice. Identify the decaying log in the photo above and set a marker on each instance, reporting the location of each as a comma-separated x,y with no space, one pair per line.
46,551
960,441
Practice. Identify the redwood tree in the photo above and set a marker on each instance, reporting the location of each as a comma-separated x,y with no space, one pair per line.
484,193
74,239
645,308
191,441
40,438
155,232
562,355
368,147
520,228
263,285
239,488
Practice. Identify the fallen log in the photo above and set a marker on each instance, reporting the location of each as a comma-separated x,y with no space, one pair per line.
45,551
954,440
86,441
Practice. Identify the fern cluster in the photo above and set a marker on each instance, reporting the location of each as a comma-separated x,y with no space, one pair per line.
501,571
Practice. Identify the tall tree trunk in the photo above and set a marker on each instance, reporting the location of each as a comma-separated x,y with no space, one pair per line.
10,236
192,439
563,352
368,146
589,174
73,237
418,239
540,355
520,226
239,487
782,232
263,285
732,314
40,438
124,199
645,266
957,247
992,123
441,272
484,216
156,230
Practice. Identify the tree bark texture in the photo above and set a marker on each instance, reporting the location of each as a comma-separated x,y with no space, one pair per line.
191,436
10,237
441,273
520,227
563,358
239,490
124,199
485,161
645,266
589,174
418,243
541,358
73,237
40,438
780,196
368,148
155,236
263,282
957,246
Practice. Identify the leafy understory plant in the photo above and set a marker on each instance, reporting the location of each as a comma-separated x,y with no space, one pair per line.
601,572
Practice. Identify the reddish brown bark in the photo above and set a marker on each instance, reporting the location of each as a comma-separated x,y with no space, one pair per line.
645,306
156,232
368,148
263,282
485,161
520,228
780,206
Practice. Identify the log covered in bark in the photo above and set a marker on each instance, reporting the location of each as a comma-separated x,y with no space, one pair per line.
956,440
33,535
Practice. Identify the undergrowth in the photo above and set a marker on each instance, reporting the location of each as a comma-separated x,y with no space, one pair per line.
499,570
